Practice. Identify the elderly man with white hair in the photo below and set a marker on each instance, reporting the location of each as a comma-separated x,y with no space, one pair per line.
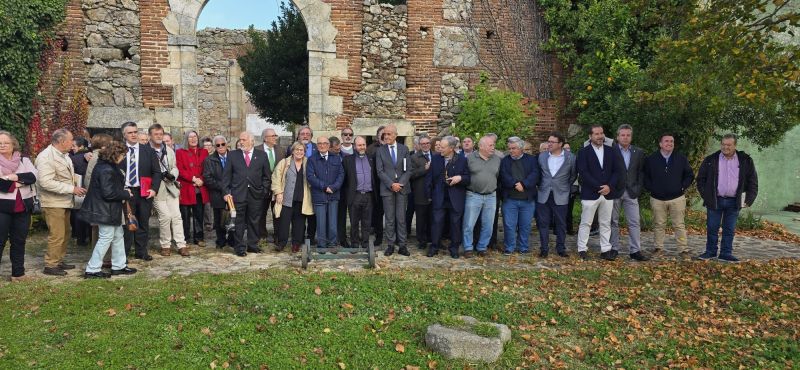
481,200
519,173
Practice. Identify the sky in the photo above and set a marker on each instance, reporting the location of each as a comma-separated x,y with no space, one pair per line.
236,14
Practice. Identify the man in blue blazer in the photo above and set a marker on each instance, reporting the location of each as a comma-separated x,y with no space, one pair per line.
446,187
558,173
519,173
325,177
599,168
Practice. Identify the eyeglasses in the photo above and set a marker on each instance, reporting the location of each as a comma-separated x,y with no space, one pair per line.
350,134
220,145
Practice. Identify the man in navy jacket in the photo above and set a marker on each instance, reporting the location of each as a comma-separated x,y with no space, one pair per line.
446,187
599,169
519,173
325,177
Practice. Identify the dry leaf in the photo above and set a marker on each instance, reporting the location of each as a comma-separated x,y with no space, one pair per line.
432,364
206,332
273,319
317,291
410,367
399,347
128,307
226,365
326,330
213,364
111,312
171,298
342,365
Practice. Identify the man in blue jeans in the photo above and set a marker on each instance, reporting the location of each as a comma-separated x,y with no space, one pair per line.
727,181
325,176
519,173
484,167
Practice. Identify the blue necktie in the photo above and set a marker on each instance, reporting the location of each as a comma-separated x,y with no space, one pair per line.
222,160
394,156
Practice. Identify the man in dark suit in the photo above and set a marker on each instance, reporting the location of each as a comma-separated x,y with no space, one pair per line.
626,194
275,154
446,187
519,173
394,172
599,170
359,185
141,170
422,205
246,179
377,211
325,177
213,169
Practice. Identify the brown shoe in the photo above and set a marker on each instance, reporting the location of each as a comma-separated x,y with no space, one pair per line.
468,254
166,252
201,243
19,279
482,254
184,251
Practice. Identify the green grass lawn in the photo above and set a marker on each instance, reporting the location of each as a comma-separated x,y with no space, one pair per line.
584,316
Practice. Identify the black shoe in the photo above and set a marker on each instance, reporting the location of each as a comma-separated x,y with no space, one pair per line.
55,271
124,271
563,254
454,255
614,253
638,256
404,251
280,248
254,249
432,251
543,254
608,256
389,251
421,246
241,254
83,243
65,266
583,255
96,275
146,257
377,243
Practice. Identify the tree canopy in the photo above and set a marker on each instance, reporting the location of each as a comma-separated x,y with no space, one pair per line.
276,69
693,68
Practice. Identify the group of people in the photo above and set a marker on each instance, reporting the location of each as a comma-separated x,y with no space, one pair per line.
454,190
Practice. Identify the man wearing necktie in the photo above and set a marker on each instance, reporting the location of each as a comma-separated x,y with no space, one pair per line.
274,154
246,179
141,170
422,205
213,168
394,172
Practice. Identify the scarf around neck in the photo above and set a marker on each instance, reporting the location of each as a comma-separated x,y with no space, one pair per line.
9,166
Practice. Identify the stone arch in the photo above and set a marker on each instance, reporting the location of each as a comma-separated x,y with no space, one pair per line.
181,74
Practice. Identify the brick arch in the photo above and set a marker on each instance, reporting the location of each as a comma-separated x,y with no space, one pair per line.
181,74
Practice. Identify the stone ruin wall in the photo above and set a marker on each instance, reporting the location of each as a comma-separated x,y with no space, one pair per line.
369,64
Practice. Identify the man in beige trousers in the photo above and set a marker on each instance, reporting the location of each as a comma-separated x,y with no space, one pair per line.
170,222
56,186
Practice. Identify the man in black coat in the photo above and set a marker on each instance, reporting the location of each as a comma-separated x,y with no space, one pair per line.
727,181
667,175
142,172
360,184
421,160
213,169
275,153
246,179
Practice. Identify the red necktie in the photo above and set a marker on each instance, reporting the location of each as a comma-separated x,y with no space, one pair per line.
247,158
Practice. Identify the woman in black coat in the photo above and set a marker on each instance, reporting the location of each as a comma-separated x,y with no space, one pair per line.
103,206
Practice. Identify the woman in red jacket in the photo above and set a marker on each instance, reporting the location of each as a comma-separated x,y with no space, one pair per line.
193,192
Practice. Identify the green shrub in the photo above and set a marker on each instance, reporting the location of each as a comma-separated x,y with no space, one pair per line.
494,110
25,26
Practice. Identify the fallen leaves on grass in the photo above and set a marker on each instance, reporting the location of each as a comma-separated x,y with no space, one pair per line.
206,332
111,312
399,347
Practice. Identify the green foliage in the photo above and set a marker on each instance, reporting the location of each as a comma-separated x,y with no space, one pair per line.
493,110
748,221
693,68
276,69
25,26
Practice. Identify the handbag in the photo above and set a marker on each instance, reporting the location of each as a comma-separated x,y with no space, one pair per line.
36,209
131,221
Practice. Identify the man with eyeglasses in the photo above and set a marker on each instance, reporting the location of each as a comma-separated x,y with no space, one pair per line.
347,141
166,203
213,169
421,159
143,178
274,155
325,177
